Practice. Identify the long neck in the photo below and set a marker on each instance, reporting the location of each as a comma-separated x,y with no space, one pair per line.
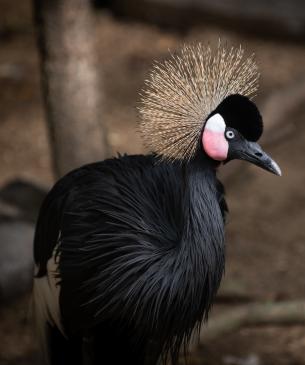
202,243
201,212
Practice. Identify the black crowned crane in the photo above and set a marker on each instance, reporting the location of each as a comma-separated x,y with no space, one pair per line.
130,251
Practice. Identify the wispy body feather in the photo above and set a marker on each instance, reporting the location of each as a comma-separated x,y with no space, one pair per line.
141,253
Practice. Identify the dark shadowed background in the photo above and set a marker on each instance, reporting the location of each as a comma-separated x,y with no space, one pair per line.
266,225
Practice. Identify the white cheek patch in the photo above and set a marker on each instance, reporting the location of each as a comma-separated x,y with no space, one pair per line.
213,139
216,124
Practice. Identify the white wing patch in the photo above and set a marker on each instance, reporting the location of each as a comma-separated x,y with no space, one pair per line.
46,301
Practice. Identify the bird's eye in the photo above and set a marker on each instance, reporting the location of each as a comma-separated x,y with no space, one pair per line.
230,134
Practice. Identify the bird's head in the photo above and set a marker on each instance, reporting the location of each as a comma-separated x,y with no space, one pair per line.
231,131
199,102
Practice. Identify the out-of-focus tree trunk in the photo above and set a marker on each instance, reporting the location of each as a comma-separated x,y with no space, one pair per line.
70,82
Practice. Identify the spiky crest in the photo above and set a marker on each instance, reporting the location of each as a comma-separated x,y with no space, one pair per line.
181,92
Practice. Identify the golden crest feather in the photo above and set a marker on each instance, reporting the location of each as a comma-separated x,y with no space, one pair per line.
181,92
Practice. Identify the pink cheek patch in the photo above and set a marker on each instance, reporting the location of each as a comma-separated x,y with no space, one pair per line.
215,144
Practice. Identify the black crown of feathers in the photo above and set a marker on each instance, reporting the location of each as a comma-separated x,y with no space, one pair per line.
182,92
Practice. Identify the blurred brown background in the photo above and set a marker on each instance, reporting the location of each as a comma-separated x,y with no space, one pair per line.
266,228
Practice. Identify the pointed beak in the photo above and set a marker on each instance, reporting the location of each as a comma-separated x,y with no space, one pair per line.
252,152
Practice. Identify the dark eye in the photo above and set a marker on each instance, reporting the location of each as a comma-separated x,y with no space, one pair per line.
230,134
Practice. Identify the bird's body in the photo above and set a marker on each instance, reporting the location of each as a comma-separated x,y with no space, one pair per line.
140,252
130,251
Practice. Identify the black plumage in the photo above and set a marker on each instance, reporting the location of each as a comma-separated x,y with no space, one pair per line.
141,252
241,114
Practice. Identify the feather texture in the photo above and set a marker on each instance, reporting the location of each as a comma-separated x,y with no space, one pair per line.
141,253
181,93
